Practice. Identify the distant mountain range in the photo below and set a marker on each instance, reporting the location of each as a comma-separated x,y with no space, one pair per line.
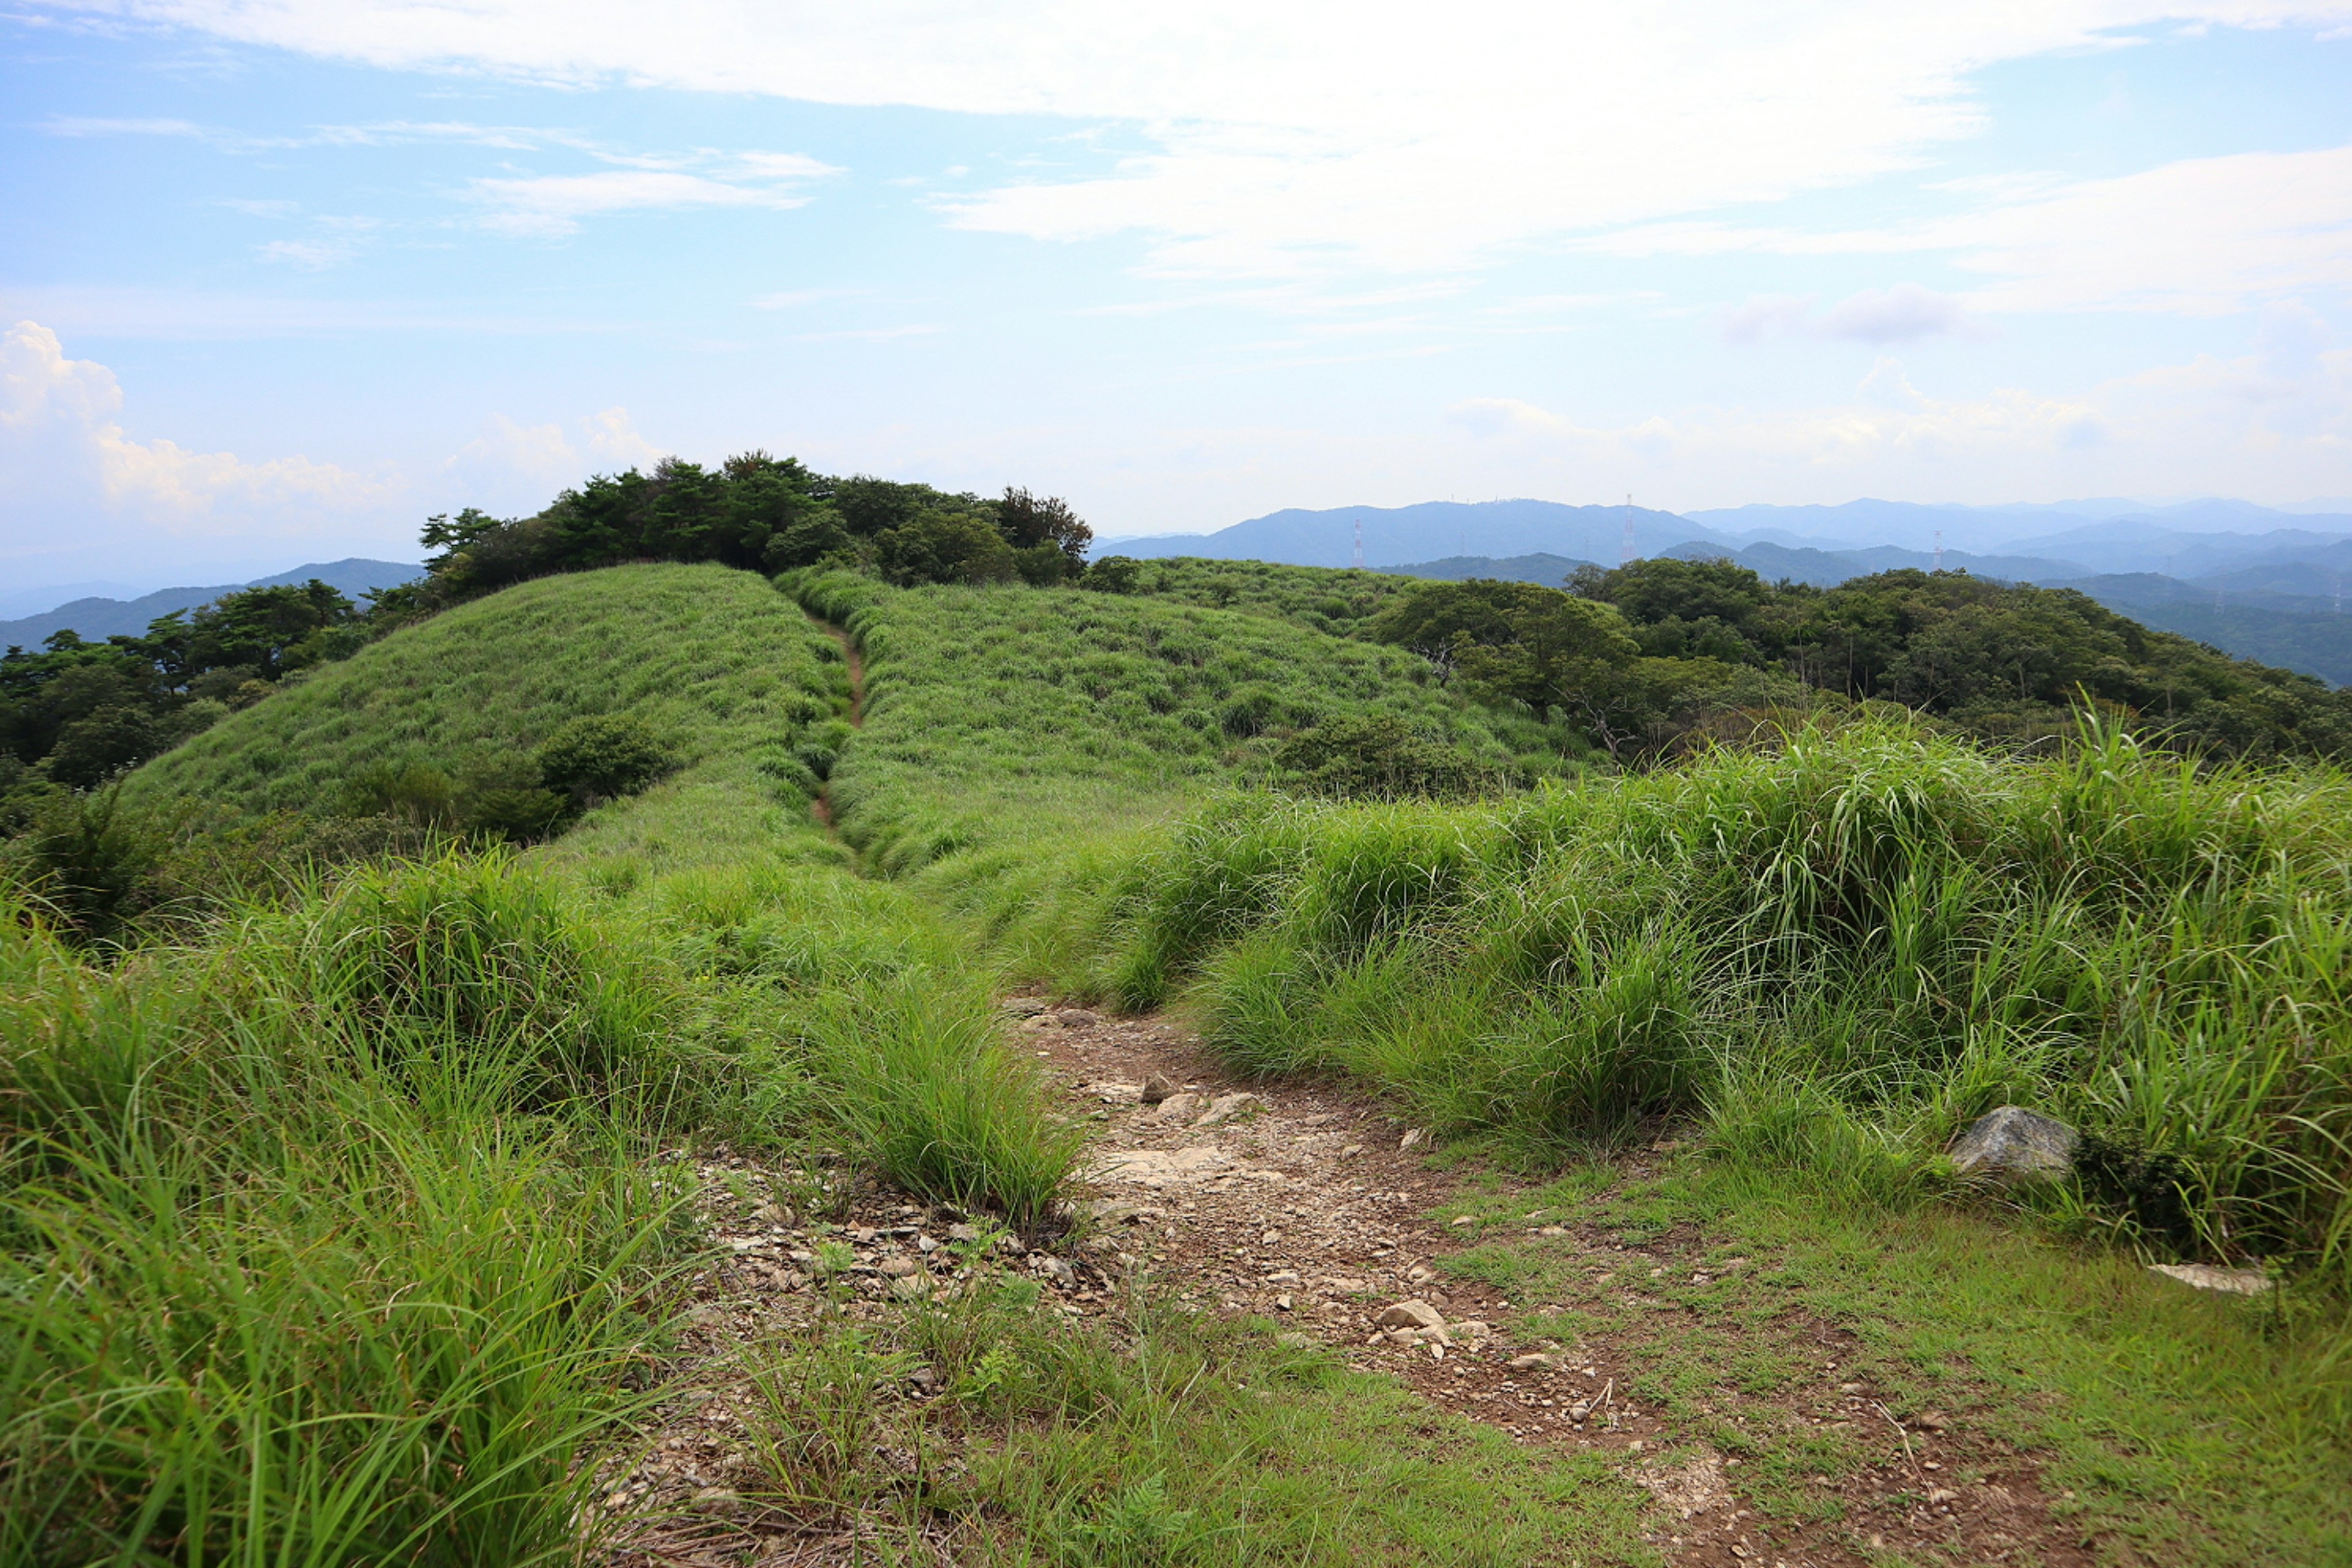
1433,529
2253,580
96,619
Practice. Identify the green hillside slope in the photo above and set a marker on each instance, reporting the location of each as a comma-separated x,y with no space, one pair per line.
993,714
714,661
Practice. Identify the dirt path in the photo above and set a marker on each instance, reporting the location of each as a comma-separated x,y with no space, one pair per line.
1307,1206
1298,1203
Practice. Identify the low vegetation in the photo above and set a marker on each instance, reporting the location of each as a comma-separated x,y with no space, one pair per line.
356,1053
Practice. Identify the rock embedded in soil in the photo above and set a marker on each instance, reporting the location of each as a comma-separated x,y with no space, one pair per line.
2014,1144
1415,1313
1077,1018
1225,1107
2205,1277
1157,1087
1180,1108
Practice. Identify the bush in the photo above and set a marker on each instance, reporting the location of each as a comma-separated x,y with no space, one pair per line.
1377,756
412,793
1113,574
600,757
91,860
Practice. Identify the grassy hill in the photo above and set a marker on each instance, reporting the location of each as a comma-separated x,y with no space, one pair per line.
422,1143
725,670
981,701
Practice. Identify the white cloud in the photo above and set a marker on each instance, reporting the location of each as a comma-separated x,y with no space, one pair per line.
554,203
77,125
518,468
793,299
1902,314
1286,138
867,334
2200,237
80,488
311,254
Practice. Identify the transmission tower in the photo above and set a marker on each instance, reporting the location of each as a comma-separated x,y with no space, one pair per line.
1359,544
1939,550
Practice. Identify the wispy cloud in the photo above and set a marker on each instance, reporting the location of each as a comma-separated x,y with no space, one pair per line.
75,125
554,203
1904,314
1336,137
2196,236
868,334
795,298
311,254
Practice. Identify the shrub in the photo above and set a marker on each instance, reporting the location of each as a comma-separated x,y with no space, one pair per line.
1377,756
600,757
412,793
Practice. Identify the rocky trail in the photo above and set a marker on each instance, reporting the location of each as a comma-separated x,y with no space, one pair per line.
1309,1207
1306,1206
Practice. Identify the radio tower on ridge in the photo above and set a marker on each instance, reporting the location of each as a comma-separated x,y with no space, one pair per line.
1625,550
1359,544
1939,550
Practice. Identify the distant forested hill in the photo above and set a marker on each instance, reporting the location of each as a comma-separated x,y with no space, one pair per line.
95,620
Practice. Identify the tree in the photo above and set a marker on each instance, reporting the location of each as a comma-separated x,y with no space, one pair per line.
271,629
937,546
1033,522
1517,640
1377,756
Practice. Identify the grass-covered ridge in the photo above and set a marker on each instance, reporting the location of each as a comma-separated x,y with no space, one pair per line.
1009,715
714,661
268,1175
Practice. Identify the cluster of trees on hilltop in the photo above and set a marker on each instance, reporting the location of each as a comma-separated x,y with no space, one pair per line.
1641,655
765,514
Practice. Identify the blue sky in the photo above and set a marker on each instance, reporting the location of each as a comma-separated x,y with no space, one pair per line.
279,277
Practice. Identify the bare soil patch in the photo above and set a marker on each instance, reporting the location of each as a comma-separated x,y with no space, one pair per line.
1309,1206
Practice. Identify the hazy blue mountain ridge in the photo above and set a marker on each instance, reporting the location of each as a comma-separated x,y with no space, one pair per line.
96,619
1430,531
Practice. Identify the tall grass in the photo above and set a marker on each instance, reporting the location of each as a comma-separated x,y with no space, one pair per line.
306,1264
1833,952
888,1021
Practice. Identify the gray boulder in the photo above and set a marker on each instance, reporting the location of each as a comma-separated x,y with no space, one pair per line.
2014,1144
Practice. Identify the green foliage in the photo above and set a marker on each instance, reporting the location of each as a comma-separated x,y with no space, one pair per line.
85,712
1112,574
992,712
1320,598
711,656
2010,663
231,1329
602,756
759,512
1833,952
1377,756
90,860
